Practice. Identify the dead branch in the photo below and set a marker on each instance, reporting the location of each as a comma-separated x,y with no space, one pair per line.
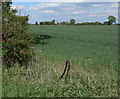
66,64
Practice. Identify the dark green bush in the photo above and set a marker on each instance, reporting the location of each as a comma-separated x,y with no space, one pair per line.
17,43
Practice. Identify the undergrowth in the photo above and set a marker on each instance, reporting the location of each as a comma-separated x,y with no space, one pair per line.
42,79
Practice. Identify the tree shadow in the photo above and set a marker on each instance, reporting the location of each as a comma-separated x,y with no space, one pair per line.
42,39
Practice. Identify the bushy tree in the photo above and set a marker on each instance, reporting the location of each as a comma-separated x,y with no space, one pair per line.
111,20
97,23
64,23
36,23
91,23
106,23
48,22
41,23
72,21
17,43
53,22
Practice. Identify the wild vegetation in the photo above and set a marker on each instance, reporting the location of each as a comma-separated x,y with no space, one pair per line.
16,41
91,51
43,80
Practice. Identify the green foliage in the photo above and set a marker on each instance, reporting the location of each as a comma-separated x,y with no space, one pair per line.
41,23
106,23
90,23
16,41
64,23
112,19
43,80
72,21
53,22
48,22
36,23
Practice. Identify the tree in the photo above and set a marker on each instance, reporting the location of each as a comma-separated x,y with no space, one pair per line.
72,21
111,20
106,23
36,23
97,23
14,11
17,43
53,22
41,23
64,23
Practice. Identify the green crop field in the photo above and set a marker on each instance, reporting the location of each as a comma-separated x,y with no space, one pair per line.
59,49
78,43
93,52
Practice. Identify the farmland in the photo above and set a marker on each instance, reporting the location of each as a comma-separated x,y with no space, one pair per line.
92,51
78,43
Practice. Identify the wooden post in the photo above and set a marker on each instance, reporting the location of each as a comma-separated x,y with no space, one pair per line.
66,71
67,76
66,64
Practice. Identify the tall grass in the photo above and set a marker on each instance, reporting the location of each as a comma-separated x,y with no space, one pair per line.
43,80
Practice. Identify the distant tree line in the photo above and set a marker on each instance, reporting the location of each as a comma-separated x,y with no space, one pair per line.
111,20
90,23
46,22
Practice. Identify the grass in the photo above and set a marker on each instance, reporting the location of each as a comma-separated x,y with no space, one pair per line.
43,80
79,43
92,51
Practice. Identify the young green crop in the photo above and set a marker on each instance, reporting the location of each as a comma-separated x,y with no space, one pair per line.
98,44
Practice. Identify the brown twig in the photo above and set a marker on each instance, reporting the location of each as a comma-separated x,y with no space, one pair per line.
64,69
67,69
75,70
67,74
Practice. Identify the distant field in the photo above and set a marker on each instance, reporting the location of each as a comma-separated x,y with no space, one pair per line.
79,43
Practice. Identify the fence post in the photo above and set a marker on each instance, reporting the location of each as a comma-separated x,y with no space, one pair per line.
66,69
67,76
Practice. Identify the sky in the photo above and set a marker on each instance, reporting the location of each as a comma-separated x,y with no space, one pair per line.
65,0
64,11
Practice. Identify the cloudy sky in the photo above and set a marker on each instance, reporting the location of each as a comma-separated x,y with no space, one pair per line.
65,0
64,11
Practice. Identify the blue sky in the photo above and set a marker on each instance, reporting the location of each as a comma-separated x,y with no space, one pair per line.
64,11
65,0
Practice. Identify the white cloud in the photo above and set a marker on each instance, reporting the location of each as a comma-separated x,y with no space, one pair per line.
48,11
112,11
17,7
33,16
78,12
94,15
68,8
114,5
97,5
105,11
100,15
44,5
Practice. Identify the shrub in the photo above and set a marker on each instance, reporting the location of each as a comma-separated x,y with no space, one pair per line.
16,41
